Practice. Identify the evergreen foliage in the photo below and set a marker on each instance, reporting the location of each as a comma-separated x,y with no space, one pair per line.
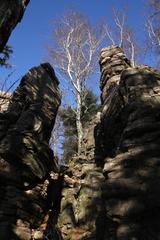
68,117
5,56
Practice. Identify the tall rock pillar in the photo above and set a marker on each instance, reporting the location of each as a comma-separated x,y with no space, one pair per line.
26,159
129,148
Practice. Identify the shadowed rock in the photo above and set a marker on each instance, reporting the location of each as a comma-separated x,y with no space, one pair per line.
127,142
4,100
25,157
81,196
11,12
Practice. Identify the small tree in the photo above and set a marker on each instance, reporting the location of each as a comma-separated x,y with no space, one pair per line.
75,55
69,144
68,118
4,58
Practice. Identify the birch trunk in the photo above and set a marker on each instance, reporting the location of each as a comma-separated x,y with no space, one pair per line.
79,123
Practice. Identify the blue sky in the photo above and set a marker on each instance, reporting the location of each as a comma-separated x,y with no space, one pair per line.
31,37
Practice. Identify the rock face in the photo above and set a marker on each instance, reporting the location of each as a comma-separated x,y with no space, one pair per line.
127,146
30,189
111,192
112,63
4,100
10,14
26,160
81,202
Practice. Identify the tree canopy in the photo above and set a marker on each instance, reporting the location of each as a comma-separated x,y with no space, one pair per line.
74,54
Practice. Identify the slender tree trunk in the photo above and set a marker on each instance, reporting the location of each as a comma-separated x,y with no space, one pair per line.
79,123
132,55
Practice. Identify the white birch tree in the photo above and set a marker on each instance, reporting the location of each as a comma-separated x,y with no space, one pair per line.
74,55
153,26
122,35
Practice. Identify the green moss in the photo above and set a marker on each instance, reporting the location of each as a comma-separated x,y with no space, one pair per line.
157,74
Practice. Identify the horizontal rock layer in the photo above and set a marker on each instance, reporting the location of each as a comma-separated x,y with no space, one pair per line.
127,144
26,160
4,100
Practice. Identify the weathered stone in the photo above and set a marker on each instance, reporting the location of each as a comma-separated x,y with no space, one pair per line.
4,100
127,142
81,202
112,63
110,51
33,105
11,13
26,160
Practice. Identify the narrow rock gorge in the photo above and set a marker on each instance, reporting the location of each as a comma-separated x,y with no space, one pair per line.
81,196
111,190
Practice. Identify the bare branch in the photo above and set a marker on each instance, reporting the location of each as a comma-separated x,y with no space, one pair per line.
153,35
75,55
123,35
119,21
109,34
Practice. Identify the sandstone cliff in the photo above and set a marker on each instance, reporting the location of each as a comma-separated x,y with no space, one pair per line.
128,146
26,161
11,12
30,189
113,193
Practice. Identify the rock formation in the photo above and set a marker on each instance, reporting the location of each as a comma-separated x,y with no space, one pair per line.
127,143
81,196
26,161
4,100
11,12
111,191
122,203
29,187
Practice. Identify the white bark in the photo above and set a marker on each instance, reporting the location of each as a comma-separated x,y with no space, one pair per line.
132,49
153,36
122,35
109,34
79,123
119,21
76,58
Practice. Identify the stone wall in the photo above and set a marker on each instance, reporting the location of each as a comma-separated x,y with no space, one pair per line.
26,161
127,146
